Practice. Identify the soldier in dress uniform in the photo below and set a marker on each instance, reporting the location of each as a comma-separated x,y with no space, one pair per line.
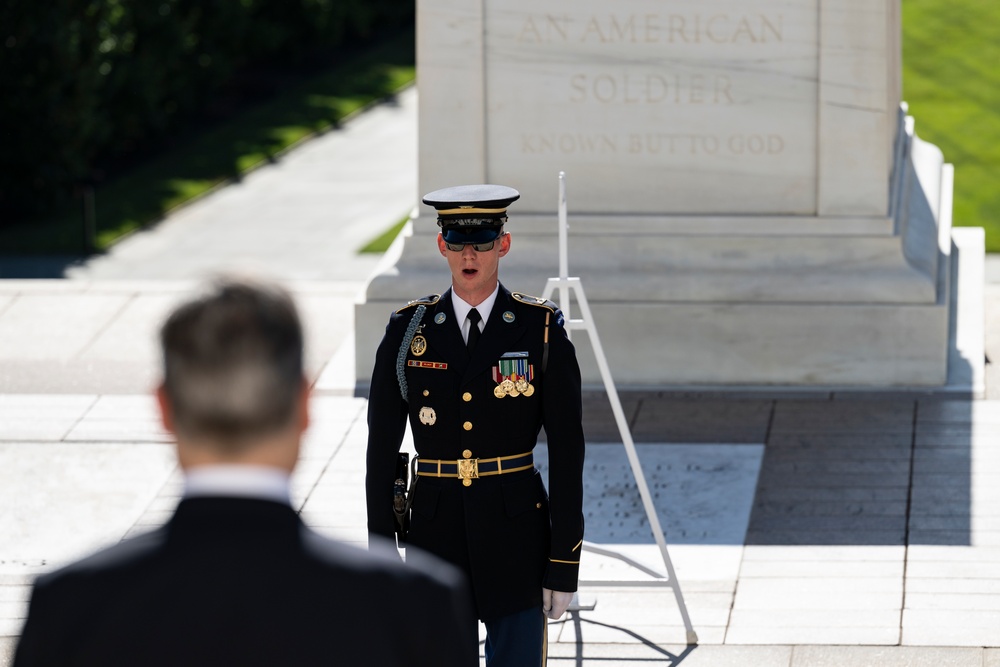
478,371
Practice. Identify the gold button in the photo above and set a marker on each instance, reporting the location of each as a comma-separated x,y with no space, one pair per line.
467,426
426,393
538,506
466,397
467,454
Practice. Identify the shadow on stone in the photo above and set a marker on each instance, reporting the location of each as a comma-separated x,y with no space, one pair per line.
876,472
659,655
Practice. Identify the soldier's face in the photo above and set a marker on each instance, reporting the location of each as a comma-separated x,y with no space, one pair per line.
474,274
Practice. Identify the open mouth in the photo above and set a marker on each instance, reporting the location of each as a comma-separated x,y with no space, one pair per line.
470,272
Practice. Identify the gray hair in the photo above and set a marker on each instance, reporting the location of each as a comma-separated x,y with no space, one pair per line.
233,362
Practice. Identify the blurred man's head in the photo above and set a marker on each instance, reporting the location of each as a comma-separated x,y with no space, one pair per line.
233,382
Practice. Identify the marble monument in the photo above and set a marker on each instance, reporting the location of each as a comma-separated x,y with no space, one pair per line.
749,204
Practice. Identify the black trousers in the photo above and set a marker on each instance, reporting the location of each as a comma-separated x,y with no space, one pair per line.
517,640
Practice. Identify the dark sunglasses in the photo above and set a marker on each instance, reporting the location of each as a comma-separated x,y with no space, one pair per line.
479,247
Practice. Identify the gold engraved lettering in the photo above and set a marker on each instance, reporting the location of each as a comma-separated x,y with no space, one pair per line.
605,88
651,88
695,28
662,143
743,28
656,89
714,32
578,82
529,32
569,144
651,22
593,28
723,88
553,29
556,25
623,32
765,25
677,33
697,88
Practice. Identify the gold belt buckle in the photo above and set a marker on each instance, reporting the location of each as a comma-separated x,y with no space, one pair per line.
468,470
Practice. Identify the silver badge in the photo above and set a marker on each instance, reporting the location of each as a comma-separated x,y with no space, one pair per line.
440,318
427,416
508,317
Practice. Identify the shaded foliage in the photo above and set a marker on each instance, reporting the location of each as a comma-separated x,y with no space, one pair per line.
89,82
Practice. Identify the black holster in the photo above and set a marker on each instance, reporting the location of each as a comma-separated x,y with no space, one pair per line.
403,487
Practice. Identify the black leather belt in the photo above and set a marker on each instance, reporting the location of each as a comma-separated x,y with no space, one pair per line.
468,468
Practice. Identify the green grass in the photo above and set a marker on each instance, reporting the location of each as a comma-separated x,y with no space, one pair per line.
224,153
382,242
951,80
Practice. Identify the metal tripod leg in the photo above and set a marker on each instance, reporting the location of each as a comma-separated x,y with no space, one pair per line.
586,323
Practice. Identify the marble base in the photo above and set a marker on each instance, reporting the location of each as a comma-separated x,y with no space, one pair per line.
666,345
683,301
657,344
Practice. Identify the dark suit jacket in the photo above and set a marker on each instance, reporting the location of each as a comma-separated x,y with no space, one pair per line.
243,582
502,530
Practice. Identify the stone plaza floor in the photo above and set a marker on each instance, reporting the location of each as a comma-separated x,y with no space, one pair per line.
797,526
806,528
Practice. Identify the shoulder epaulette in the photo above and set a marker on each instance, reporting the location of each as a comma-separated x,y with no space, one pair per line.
529,300
428,300
550,306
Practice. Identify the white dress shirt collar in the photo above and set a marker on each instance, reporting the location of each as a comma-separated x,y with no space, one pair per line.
241,481
462,310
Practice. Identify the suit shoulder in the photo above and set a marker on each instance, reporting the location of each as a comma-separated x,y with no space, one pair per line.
111,559
428,300
382,563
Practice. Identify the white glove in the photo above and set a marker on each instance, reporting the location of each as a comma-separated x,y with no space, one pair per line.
554,603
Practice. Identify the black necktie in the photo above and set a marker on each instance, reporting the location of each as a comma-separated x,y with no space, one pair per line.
474,332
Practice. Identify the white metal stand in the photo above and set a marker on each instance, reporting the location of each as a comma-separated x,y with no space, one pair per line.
566,285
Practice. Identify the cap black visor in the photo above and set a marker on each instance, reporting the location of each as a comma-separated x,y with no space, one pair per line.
470,234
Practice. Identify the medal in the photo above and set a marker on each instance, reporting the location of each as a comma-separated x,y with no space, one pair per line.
507,377
527,372
513,375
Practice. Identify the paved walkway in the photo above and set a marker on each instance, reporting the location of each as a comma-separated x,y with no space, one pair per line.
806,529
301,219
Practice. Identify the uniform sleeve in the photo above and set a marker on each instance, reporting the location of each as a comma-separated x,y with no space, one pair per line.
563,422
386,425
